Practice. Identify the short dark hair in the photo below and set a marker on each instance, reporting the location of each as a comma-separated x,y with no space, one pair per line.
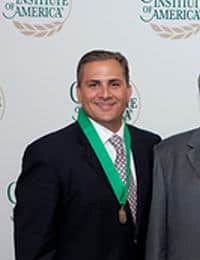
101,55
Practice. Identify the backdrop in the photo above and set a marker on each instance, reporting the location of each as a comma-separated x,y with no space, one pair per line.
41,43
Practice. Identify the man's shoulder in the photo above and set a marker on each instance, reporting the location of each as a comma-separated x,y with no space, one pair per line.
57,139
176,142
144,134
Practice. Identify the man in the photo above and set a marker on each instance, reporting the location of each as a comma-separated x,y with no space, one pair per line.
76,196
174,227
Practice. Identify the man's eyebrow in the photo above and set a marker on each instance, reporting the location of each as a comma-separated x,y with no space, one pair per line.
100,80
115,80
93,81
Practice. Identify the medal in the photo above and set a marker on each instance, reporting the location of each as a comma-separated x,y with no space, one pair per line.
122,215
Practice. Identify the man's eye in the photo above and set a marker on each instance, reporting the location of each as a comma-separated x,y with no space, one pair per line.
92,85
115,84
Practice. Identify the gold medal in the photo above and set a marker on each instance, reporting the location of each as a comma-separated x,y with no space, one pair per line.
122,215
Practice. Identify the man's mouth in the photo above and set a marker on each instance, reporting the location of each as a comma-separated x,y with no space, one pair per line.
105,105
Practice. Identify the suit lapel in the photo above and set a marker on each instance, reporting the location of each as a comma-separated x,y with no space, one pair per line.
88,153
137,156
143,157
193,152
90,157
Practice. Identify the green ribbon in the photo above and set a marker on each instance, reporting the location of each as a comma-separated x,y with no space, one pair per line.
120,189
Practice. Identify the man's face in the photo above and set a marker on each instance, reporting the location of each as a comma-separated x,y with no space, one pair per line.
104,93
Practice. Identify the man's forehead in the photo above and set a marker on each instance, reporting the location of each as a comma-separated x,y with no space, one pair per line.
103,69
104,79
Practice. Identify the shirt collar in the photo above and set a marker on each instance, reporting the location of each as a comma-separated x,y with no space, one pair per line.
104,133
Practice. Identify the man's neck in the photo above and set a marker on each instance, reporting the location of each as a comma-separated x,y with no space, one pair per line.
113,127
105,133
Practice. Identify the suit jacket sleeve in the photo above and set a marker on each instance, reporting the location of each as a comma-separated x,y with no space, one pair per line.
35,211
156,246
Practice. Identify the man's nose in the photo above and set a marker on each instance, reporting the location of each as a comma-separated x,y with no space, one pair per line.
105,91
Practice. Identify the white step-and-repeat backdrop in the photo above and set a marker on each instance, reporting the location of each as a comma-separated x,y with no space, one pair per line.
41,42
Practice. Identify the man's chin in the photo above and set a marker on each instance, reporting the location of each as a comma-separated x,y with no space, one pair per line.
110,123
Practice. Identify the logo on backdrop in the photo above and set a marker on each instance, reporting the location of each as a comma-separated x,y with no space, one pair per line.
11,192
2,103
131,114
38,18
11,195
172,19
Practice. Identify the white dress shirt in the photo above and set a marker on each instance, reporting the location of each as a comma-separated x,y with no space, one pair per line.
105,134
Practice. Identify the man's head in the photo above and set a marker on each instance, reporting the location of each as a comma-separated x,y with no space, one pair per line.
103,87
102,55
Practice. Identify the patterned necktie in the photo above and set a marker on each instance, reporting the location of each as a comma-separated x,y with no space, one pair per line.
120,164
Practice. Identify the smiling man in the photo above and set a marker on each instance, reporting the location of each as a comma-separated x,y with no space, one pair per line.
84,191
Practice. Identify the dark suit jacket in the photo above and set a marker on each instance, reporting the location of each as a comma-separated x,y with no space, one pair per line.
174,228
66,209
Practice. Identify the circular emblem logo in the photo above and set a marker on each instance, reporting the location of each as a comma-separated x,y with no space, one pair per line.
38,18
74,99
172,19
11,196
11,193
132,112
2,104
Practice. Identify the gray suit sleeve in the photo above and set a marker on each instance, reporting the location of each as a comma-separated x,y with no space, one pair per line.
156,245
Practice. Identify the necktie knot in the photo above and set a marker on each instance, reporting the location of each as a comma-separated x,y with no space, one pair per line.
117,142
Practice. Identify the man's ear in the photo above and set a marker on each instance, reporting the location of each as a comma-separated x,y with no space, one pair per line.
129,91
78,93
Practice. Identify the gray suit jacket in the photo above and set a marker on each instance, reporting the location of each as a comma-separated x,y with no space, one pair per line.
174,225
